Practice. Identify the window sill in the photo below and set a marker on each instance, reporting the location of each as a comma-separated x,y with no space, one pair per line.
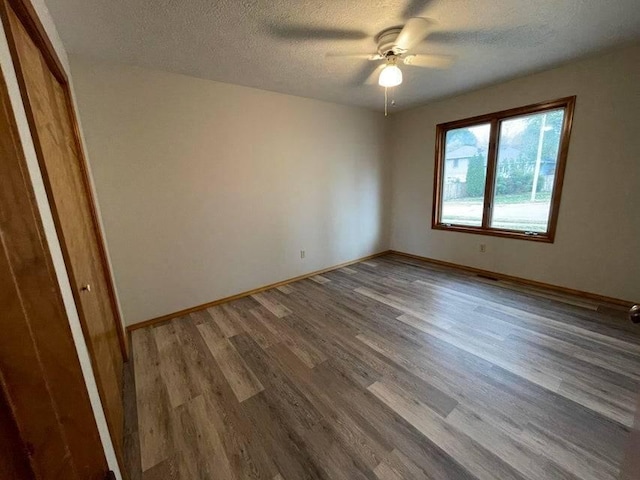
495,232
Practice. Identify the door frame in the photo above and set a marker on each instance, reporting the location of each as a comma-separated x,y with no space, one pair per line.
28,16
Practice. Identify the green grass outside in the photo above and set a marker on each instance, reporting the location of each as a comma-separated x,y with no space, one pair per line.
541,197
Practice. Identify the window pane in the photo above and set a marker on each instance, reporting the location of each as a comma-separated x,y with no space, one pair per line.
465,172
528,150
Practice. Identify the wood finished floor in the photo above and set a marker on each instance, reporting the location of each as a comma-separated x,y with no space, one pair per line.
388,369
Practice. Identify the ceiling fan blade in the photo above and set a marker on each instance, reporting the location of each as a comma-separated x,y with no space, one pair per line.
415,30
429,61
302,32
362,56
373,78
415,7
531,37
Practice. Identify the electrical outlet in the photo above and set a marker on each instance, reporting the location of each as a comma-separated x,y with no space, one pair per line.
483,248
303,254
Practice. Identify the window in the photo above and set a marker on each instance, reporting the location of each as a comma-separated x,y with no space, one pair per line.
501,174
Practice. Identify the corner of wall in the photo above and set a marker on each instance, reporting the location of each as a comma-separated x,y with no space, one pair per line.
389,150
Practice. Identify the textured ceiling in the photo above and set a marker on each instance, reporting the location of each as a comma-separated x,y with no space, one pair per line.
280,45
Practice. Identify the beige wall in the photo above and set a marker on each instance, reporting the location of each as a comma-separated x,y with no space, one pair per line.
209,189
597,247
47,220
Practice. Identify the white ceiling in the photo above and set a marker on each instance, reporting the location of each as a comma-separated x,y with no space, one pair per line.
280,45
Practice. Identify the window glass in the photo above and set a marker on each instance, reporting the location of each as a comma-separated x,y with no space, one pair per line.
525,171
464,175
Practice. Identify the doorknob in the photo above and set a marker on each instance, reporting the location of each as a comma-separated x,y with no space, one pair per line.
86,288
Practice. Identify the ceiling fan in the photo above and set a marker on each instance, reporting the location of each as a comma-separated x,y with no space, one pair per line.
394,47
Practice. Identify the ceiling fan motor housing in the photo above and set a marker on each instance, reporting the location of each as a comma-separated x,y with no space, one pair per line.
387,42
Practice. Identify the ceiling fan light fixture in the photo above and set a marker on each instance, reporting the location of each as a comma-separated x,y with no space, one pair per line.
390,76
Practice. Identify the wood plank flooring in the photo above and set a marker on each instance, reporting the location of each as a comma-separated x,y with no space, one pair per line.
388,369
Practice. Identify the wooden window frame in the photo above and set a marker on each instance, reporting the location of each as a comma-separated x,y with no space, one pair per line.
495,119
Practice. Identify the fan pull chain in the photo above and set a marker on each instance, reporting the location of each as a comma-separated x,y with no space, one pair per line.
386,101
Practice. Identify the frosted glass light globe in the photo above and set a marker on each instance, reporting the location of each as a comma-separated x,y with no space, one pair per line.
391,76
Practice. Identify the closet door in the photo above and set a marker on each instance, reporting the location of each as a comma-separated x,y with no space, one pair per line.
53,127
47,427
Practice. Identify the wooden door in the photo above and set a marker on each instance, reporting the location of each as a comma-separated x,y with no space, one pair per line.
47,427
54,130
14,461
631,465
